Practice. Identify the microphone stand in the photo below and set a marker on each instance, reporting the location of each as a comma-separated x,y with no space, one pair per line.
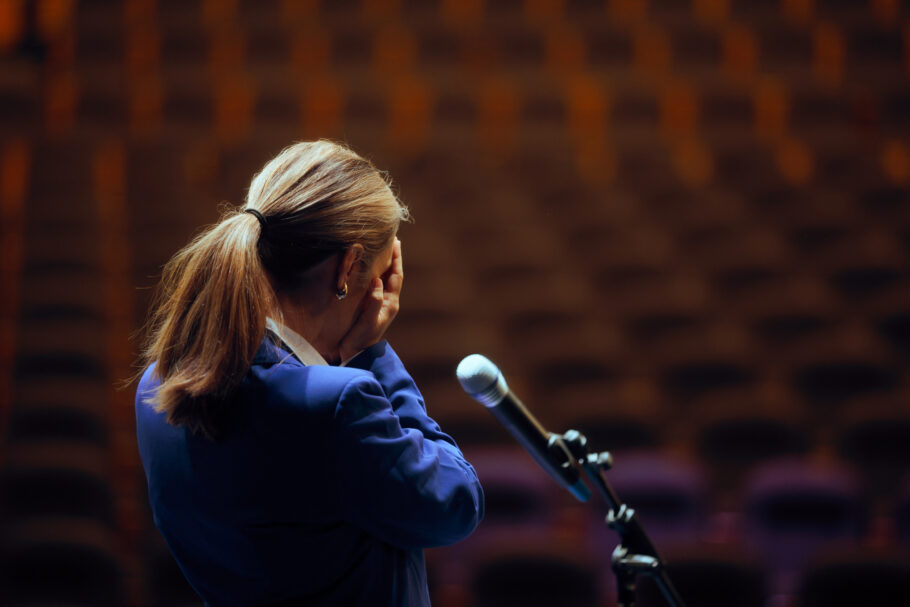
635,554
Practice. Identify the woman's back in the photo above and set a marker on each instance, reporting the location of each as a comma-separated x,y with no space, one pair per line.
276,508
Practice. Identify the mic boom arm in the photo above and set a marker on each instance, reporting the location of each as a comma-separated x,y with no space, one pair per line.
482,380
562,455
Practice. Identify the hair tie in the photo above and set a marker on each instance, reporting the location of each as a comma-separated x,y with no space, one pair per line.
258,216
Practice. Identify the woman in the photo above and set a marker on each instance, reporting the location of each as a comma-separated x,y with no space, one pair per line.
289,456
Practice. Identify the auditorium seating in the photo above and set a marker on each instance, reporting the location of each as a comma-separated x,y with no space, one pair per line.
874,438
679,227
794,509
61,560
742,429
669,495
901,512
534,573
710,577
847,578
56,478
520,499
614,418
73,407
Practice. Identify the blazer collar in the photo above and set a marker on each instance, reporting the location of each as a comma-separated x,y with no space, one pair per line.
302,349
273,350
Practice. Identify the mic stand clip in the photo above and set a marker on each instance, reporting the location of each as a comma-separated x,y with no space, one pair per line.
635,554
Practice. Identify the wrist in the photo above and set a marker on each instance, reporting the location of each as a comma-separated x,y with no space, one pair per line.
345,355
365,358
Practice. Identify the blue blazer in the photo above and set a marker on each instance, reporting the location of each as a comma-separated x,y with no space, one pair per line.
326,486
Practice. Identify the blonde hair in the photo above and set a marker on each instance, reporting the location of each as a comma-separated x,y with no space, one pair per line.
209,316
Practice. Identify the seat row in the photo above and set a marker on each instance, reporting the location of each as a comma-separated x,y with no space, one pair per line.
598,44
671,13
671,185
239,106
790,513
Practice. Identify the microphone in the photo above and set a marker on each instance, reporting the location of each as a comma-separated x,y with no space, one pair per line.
483,382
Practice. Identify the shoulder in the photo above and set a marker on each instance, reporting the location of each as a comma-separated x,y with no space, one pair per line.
278,380
292,379
289,384
148,383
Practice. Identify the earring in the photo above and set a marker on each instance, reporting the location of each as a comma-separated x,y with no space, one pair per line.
342,293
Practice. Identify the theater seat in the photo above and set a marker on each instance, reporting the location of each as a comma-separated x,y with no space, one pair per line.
875,437
56,478
521,501
855,578
902,513
794,508
534,574
708,577
669,494
52,560
737,430
519,495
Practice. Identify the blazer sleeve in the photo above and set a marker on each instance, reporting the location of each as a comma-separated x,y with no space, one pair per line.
400,477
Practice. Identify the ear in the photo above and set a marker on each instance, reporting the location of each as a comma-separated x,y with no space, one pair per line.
348,266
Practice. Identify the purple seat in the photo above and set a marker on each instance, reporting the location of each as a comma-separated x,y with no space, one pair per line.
793,508
902,513
669,495
534,572
842,579
518,494
875,437
520,502
708,577
51,560
738,430
38,474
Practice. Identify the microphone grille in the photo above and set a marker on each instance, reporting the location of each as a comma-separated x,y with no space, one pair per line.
481,379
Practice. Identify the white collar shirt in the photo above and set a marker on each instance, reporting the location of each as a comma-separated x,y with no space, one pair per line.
302,349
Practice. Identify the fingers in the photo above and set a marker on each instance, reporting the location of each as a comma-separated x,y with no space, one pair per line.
395,277
368,326
374,301
379,307
396,257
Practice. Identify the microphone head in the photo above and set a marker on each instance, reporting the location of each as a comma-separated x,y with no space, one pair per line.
482,380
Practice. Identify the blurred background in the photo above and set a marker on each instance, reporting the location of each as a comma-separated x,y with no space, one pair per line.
678,226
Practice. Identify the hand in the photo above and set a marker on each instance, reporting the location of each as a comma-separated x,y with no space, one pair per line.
379,308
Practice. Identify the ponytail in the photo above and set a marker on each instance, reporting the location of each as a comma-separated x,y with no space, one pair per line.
207,322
